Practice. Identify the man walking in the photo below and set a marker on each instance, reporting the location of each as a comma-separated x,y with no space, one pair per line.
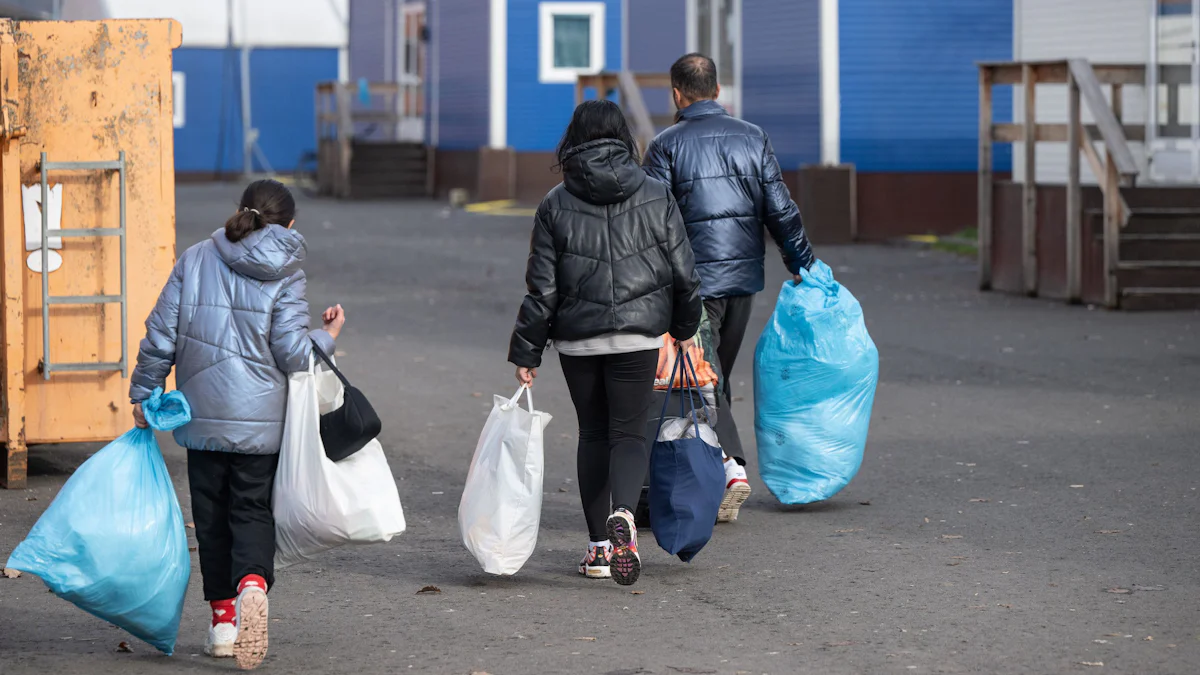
728,184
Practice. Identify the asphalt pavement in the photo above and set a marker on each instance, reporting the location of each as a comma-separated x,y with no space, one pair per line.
1028,502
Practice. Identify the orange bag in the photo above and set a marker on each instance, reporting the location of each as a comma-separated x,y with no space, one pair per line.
705,375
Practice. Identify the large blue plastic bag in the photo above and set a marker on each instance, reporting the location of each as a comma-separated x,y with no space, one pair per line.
815,371
113,540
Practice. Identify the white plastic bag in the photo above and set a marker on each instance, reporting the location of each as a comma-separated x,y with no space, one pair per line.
320,504
502,502
679,428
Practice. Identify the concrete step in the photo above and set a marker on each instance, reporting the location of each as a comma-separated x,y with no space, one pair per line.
1168,247
1160,299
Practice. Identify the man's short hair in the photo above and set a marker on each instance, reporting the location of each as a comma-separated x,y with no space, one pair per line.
695,76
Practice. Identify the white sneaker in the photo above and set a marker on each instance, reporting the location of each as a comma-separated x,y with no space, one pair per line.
250,650
737,491
221,639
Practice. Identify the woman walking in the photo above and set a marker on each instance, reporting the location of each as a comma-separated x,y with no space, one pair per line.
610,271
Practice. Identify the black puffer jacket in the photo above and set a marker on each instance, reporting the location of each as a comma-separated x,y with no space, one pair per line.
725,176
609,254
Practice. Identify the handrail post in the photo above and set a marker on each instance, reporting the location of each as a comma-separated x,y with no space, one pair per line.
1074,193
1113,216
1029,262
984,225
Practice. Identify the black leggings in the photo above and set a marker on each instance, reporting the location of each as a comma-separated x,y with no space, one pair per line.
612,397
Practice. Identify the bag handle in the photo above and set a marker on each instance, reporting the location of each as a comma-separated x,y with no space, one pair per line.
329,362
528,391
689,387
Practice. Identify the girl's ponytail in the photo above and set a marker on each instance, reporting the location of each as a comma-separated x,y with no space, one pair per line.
265,202
242,224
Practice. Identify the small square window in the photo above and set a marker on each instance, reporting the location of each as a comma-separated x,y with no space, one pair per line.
571,40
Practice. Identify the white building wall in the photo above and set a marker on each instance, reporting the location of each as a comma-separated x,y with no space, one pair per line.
1101,31
267,23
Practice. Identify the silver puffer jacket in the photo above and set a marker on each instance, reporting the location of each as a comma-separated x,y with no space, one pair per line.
234,321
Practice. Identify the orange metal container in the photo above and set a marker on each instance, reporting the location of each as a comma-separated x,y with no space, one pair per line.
81,92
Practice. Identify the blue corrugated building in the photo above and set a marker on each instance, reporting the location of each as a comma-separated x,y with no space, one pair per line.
889,86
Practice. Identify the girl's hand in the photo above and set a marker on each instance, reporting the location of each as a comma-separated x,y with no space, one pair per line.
139,418
335,318
526,376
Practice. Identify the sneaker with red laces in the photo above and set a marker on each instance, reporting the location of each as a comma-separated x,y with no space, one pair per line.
250,650
737,491
626,564
595,565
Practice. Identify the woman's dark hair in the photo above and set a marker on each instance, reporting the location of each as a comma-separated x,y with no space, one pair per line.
265,202
592,121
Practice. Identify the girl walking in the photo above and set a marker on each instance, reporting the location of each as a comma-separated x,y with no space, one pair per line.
610,271
233,321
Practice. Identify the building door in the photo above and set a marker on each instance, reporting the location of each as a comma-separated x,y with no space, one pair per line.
714,28
1173,132
411,71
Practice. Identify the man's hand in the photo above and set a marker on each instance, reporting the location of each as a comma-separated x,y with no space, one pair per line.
526,376
685,346
798,279
335,318
139,418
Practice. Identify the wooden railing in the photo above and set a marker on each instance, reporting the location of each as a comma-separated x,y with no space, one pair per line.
629,86
1115,170
338,118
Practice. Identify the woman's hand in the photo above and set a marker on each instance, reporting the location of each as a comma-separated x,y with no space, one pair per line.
684,346
139,418
526,376
335,318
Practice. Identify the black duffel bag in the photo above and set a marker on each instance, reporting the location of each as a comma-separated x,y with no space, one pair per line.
348,429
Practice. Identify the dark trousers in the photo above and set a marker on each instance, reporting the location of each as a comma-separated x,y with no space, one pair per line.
728,318
612,400
231,507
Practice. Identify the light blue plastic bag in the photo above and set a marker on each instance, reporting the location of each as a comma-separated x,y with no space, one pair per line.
815,371
113,540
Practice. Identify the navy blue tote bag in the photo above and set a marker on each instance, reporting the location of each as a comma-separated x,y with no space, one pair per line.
687,483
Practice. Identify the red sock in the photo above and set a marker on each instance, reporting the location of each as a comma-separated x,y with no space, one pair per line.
222,611
252,581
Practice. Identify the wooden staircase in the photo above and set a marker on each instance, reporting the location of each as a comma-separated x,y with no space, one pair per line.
1159,263
394,170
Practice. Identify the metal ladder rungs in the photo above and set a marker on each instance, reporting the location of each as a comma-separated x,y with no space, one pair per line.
92,232
118,165
85,300
82,367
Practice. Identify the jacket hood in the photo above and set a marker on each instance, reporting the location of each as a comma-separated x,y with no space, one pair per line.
269,254
602,172
701,109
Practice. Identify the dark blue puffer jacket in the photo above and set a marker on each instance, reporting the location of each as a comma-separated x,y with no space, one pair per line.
727,182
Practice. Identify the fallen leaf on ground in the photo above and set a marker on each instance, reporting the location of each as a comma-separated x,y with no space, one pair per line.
980,500
477,394
563,490
429,590
124,648
1100,642
844,643
1145,589
952,563
586,639
865,502
1148,638
31,499
1119,591
1109,531
926,521
193,548
190,526
1000,604
853,529
1112,635
1098,664
11,574
638,592
952,536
